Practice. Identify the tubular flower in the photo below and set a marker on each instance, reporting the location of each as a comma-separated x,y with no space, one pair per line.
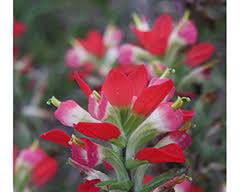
99,52
130,110
83,151
155,40
34,165
69,113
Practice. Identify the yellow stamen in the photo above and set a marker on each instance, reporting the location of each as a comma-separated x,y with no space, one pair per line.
54,101
179,102
34,145
76,141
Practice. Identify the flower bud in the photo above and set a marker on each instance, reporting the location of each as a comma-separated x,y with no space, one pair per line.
70,113
112,36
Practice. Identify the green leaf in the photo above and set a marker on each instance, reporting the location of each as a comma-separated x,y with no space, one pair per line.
117,163
132,163
119,142
165,181
115,185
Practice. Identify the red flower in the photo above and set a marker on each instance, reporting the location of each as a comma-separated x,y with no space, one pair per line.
120,89
41,166
18,29
44,171
89,186
198,54
103,131
93,43
156,40
83,151
87,155
57,136
169,153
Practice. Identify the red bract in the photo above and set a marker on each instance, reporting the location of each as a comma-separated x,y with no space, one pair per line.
18,29
169,153
44,171
84,87
103,131
118,89
93,43
151,97
156,40
139,78
89,186
57,136
198,54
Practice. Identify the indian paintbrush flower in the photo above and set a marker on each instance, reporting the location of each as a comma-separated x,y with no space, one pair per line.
129,111
33,165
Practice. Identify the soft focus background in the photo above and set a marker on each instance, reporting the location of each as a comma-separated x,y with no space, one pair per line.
50,25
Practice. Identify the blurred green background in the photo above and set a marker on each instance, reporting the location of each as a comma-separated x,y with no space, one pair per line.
50,27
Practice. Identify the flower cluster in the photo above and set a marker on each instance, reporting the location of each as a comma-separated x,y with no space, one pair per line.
130,124
32,166
95,53
169,46
164,48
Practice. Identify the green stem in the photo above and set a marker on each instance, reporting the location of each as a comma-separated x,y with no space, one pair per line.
170,57
138,177
113,158
142,135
